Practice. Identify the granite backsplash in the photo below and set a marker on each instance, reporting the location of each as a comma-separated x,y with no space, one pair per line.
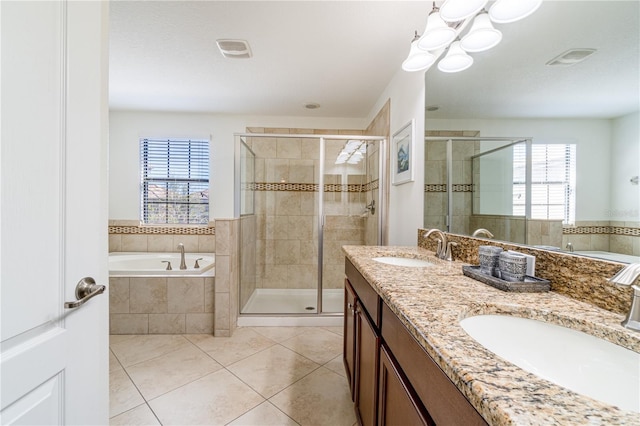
579,277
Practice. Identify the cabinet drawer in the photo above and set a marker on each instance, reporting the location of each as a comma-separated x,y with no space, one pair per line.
442,399
366,294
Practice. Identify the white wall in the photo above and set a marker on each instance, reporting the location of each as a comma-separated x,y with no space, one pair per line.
406,91
593,140
625,164
126,128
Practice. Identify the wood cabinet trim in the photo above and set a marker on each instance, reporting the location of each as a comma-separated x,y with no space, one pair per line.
443,400
365,293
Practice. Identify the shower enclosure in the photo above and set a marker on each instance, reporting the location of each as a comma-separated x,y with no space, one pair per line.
301,197
463,177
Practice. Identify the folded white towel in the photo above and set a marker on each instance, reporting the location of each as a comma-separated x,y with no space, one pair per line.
531,262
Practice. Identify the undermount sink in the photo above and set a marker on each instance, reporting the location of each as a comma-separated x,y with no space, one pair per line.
403,261
577,361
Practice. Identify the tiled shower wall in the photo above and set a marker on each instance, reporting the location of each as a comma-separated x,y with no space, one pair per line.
380,126
611,236
285,223
435,170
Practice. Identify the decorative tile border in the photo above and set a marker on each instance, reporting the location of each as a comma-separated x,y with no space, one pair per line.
442,187
185,230
309,187
611,230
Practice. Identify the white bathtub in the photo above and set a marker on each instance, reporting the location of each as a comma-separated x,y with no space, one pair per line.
616,257
126,264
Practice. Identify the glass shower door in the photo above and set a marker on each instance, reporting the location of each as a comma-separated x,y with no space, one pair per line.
282,272
344,212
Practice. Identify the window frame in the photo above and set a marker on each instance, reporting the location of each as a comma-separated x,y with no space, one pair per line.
541,162
181,173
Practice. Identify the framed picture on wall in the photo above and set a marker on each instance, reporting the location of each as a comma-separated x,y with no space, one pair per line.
402,154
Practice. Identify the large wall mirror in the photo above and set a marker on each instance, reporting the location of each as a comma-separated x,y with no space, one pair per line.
581,120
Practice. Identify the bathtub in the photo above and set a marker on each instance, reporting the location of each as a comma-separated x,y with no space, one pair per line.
127,264
616,257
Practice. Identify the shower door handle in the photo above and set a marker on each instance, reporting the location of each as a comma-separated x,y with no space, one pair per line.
85,290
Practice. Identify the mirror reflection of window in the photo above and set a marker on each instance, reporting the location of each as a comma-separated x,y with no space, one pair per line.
553,181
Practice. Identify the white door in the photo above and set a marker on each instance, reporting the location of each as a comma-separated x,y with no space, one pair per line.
53,212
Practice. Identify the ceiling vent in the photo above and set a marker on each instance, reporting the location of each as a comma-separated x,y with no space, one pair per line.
236,49
571,57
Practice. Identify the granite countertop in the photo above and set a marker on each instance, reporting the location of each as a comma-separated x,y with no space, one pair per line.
431,301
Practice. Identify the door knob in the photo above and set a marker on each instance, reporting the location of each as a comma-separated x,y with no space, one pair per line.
85,290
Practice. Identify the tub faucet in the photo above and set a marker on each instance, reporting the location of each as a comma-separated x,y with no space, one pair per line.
482,231
570,247
441,251
183,264
627,276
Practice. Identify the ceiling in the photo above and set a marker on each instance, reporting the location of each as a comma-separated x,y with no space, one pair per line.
342,54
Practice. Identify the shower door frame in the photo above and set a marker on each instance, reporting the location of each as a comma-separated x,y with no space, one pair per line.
513,141
382,197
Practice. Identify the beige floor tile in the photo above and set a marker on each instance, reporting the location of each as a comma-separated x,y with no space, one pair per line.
337,330
321,398
139,416
170,371
264,414
317,344
337,365
145,347
227,350
215,399
117,338
273,369
114,364
123,395
279,334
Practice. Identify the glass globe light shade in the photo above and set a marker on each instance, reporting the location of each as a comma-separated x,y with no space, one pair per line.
482,35
437,33
418,59
505,11
456,60
457,10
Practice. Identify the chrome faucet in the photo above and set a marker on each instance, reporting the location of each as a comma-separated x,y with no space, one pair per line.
443,245
183,264
570,247
482,231
627,276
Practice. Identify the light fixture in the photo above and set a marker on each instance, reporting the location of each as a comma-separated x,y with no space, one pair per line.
456,60
449,23
437,33
418,59
459,10
505,11
482,35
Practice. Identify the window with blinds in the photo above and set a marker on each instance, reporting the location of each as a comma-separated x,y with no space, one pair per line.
175,181
553,181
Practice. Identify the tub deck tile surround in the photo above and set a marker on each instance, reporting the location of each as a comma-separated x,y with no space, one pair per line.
161,305
431,302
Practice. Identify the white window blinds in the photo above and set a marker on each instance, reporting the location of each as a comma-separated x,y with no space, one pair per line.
175,181
553,177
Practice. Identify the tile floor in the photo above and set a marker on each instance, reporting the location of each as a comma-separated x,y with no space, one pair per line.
259,376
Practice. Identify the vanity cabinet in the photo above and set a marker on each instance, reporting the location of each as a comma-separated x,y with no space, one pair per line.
361,345
393,380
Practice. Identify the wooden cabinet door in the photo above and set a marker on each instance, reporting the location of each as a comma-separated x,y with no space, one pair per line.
367,345
349,344
397,403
